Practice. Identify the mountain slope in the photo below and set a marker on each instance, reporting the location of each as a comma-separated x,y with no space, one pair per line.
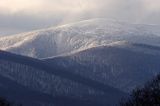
78,36
122,65
32,82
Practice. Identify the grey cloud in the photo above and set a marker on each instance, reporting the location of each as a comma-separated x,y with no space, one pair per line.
134,11
17,23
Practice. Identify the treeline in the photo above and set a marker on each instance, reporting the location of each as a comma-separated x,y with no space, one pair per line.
149,95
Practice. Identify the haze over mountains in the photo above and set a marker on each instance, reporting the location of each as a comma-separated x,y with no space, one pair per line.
93,62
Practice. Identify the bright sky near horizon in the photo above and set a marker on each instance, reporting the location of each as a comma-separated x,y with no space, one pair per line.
24,15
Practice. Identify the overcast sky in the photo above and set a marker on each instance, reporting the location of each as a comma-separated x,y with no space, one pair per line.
24,15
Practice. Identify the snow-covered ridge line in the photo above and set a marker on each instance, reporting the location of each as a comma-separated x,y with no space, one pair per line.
114,44
135,47
67,25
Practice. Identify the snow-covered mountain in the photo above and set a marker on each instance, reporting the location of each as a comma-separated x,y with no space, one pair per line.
32,82
93,63
121,65
78,36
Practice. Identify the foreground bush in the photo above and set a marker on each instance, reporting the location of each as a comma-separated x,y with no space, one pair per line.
4,102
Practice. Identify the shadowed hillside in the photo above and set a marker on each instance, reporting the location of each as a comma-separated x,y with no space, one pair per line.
32,82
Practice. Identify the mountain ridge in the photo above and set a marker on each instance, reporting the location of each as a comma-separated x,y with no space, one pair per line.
78,36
